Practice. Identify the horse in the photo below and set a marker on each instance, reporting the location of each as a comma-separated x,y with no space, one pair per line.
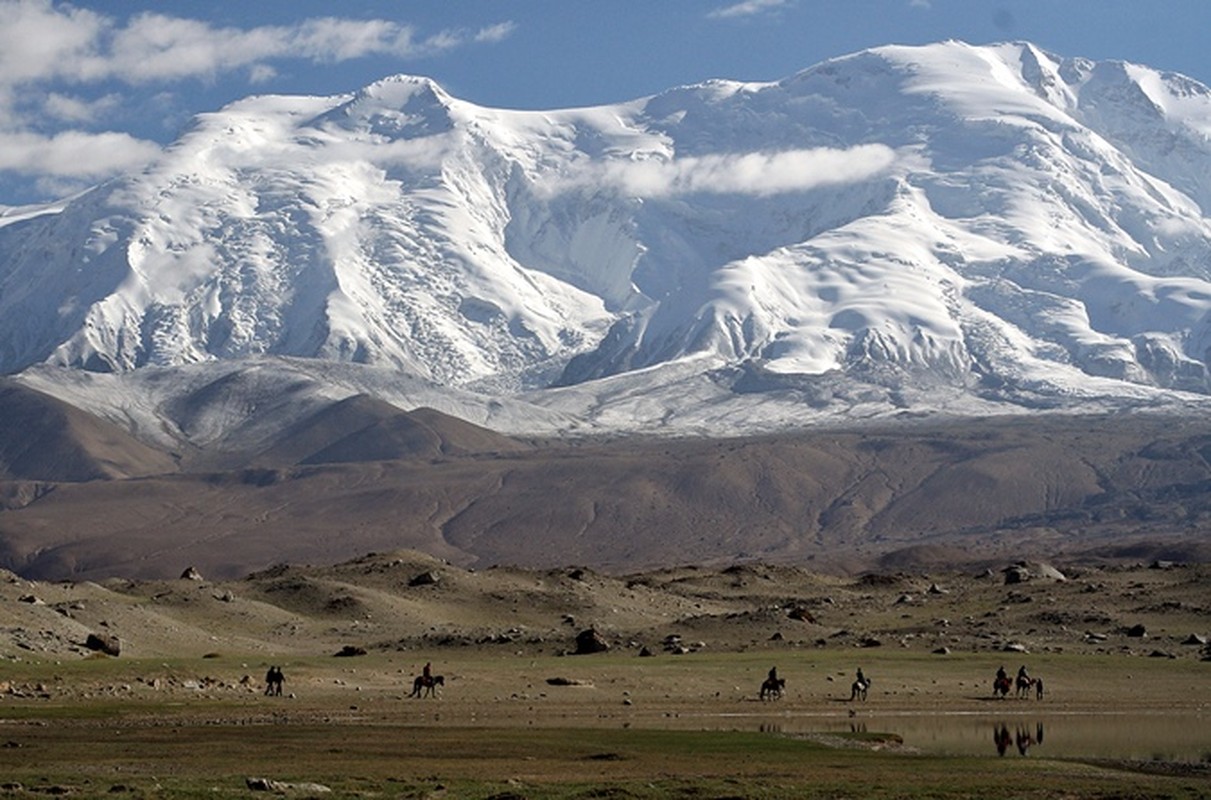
1024,685
427,685
1001,686
858,690
772,688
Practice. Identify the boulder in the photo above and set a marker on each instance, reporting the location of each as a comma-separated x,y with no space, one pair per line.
104,643
1024,571
425,579
801,614
282,787
191,574
590,641
562,681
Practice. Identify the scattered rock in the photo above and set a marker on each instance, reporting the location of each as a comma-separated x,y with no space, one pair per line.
1195,639
942,651
1022,572
590,641
31,599
350,650
429,578
191,574
802,614
104,643
1016,575
1136,632
1014,647
560,681
268,785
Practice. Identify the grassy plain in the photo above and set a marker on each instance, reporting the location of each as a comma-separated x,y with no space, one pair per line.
612,725
181,711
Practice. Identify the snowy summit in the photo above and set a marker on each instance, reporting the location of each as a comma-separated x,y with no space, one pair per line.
949,227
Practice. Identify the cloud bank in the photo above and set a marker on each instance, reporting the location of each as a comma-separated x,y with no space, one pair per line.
758,174
58,53
747,8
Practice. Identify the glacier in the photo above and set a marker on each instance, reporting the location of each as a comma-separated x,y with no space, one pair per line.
943,229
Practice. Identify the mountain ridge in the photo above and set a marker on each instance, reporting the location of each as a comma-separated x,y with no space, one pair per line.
997,220
912,300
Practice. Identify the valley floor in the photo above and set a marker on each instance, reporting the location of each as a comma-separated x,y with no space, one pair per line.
1125,712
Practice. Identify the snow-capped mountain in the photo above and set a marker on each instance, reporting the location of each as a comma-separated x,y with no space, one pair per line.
950,226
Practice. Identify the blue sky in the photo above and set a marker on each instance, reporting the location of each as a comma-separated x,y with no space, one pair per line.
94,88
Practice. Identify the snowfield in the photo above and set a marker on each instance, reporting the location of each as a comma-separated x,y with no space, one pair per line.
905,230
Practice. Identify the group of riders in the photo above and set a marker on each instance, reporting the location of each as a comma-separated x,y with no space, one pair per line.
773,686
426,682
771,689
1025,683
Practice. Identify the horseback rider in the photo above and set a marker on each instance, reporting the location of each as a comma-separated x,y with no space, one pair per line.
1022,675
1001,674
427,673
861,678
773,675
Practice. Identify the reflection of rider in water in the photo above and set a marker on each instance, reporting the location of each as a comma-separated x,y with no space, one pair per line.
1001,738
1024,741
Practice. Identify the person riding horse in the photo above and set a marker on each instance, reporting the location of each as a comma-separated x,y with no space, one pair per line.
1001,684
860,686
427,681
772,687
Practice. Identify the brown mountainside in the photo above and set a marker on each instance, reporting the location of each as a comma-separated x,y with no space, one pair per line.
45,439
911,495
362,428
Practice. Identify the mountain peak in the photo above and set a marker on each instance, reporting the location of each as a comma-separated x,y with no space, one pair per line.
1018,227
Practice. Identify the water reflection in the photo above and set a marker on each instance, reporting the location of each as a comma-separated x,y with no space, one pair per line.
1022,737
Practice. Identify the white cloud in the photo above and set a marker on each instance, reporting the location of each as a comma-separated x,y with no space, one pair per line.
747,8
758,174
73,154
261,73
39,41
67,108
495,33
156,47
46,44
